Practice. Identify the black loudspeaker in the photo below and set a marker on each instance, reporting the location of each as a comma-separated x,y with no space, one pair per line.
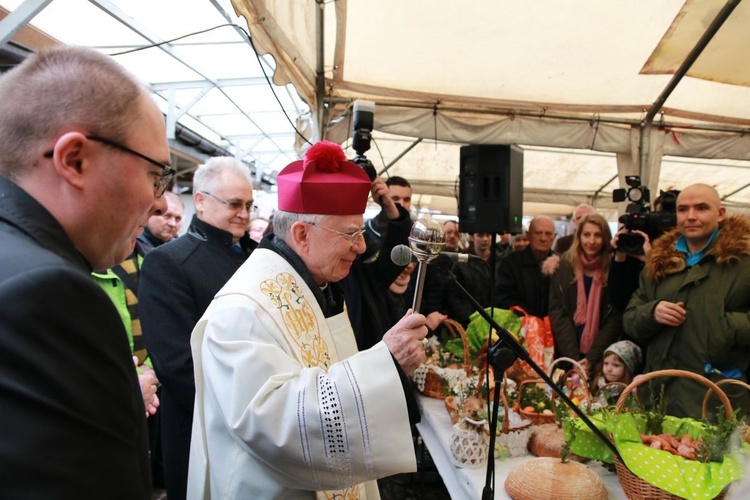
490,191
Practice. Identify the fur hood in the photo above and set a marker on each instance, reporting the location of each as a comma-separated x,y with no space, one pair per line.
732,242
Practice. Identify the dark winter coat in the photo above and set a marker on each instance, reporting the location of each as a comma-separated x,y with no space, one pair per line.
716,293
178,281
519,281
563,299
369,306
72,420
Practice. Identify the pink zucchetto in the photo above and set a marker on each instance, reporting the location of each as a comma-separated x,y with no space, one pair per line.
324,183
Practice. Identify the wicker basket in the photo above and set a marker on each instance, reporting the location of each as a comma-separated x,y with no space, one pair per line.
514,439
434,384
635,487
609,385
726,381
600,395
578,369
576,364
534,417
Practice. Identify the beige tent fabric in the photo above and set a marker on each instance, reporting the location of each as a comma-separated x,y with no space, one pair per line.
720,62
578,75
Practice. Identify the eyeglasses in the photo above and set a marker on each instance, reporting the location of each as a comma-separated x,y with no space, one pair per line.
350,237
164,178
234,205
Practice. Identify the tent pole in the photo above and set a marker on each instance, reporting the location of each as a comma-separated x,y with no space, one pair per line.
645,142
320,77
411,146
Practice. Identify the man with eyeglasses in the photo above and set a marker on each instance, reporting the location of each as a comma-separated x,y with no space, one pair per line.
83,164
285,405
178,281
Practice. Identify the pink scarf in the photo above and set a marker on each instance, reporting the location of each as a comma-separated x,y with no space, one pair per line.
587,311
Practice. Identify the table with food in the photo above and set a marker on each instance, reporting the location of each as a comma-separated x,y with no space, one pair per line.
543,450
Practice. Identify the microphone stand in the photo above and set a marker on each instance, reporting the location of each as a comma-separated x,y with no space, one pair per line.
501,356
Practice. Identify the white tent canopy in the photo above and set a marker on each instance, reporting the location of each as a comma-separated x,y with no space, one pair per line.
579,75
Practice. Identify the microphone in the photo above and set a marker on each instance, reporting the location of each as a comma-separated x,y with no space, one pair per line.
454,257
402,255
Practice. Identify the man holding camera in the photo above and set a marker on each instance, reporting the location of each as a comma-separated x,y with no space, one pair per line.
691,308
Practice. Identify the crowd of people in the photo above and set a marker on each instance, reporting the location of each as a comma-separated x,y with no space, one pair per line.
237,359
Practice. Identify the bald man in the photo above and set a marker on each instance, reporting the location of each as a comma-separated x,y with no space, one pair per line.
519,280
691,307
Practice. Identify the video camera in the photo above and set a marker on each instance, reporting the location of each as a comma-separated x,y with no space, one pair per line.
638,215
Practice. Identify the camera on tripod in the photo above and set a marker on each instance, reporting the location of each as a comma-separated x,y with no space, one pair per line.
638,215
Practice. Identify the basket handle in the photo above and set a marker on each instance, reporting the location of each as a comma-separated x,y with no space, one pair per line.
676,373
455,328
584,383
608,385
729,381
569,360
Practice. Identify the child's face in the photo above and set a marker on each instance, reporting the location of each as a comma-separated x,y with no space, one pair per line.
613,369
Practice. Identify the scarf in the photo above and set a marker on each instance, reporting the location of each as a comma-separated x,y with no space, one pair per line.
587,311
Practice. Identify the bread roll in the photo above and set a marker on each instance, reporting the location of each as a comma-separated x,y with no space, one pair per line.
547,441
547,477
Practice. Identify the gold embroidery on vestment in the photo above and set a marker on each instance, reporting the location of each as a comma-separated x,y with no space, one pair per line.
299,319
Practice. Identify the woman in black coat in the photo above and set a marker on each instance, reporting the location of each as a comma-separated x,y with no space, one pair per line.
584,323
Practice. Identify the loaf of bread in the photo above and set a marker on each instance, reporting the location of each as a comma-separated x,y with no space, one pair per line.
547,477
547,441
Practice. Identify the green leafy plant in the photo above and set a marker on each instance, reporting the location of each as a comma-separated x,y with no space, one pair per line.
535,396
658,409
720,439
565,450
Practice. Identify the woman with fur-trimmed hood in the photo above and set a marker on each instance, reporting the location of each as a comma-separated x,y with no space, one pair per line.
691,308
583,320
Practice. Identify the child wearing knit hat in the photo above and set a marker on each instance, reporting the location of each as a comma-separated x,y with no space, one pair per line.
620,364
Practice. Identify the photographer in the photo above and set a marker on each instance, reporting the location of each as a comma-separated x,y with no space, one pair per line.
625,269
632,243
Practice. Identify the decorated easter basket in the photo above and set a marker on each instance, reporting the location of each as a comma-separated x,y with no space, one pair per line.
534,416
436,381
512,437
646,473
578,391
452,403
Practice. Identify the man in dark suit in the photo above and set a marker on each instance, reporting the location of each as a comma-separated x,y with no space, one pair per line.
83,156
520,279
178,281
165,227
